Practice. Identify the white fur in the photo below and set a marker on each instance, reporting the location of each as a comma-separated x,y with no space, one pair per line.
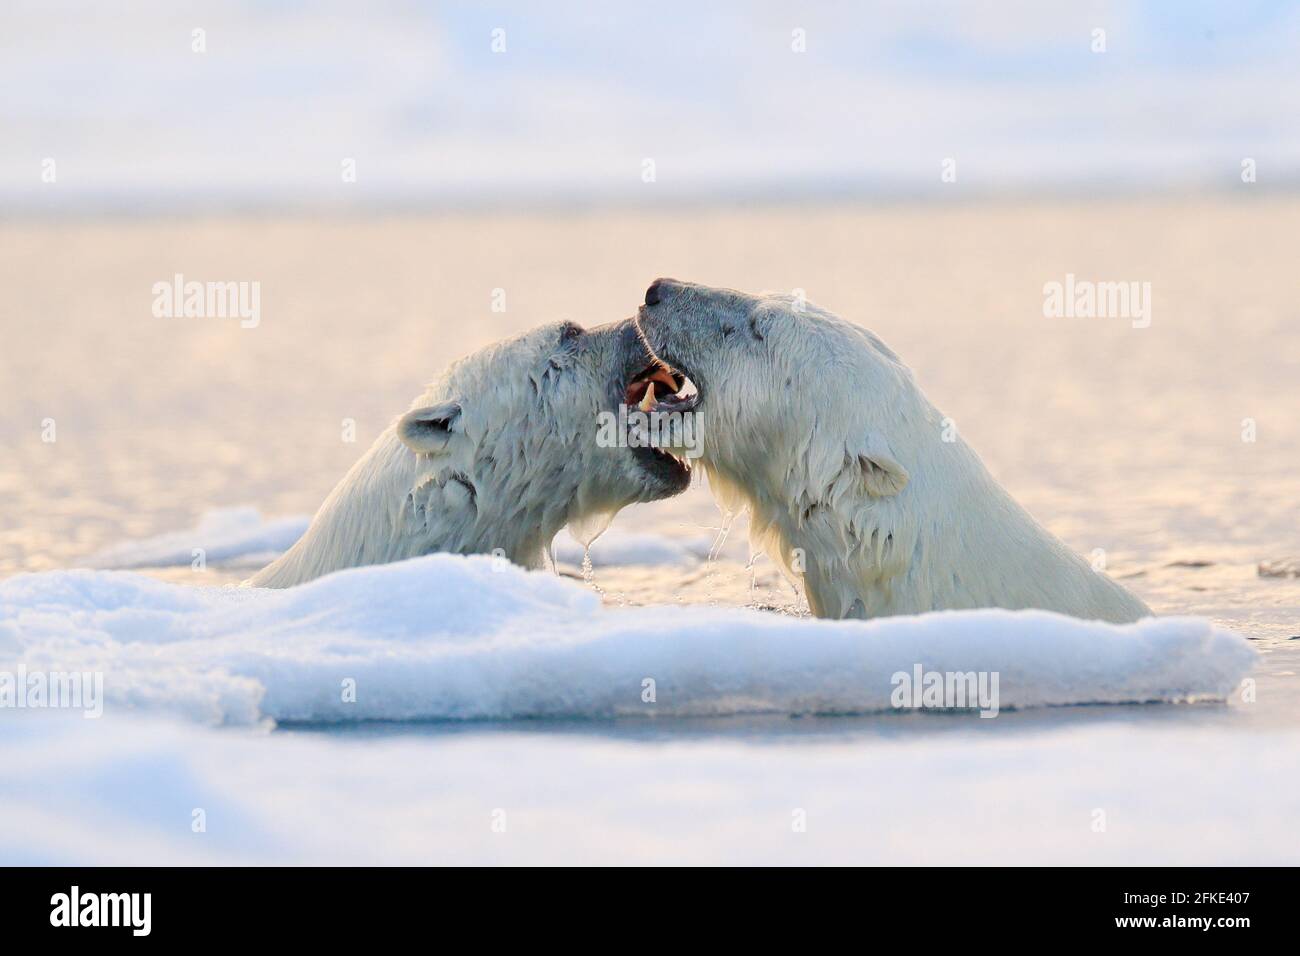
819,430
516,461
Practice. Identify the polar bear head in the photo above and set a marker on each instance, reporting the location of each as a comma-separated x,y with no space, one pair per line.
514,430
809,423
784,387
507,447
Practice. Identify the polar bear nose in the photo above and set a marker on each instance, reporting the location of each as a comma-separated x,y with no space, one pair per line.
655,292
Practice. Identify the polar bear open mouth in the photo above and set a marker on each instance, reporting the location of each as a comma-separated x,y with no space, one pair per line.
664,396
678,392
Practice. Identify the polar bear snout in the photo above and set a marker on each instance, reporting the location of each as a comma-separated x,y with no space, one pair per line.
677,294
659,289
666,290
690,327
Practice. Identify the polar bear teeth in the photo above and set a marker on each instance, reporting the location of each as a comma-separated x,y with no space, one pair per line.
675,392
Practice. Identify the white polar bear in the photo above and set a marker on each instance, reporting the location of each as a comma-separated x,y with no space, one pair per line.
817,428
497,456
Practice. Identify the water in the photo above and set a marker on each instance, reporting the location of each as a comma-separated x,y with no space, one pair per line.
1172,449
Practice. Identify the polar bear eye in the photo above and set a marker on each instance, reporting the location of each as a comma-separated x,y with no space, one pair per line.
570,332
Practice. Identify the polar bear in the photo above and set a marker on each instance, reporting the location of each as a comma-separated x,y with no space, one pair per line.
819,430
497,456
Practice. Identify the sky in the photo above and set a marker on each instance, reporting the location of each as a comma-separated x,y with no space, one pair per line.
632,101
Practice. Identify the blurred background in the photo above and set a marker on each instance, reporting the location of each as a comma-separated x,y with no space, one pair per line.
407,182
492,103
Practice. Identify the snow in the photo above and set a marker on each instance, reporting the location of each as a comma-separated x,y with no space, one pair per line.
124,791
452,638
197,679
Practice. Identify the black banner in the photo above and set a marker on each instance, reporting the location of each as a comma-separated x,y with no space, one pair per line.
333,906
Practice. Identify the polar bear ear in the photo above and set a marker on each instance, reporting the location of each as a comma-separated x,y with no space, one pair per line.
427,430
882,473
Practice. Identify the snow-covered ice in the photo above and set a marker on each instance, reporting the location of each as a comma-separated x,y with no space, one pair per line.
126,791
446,637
